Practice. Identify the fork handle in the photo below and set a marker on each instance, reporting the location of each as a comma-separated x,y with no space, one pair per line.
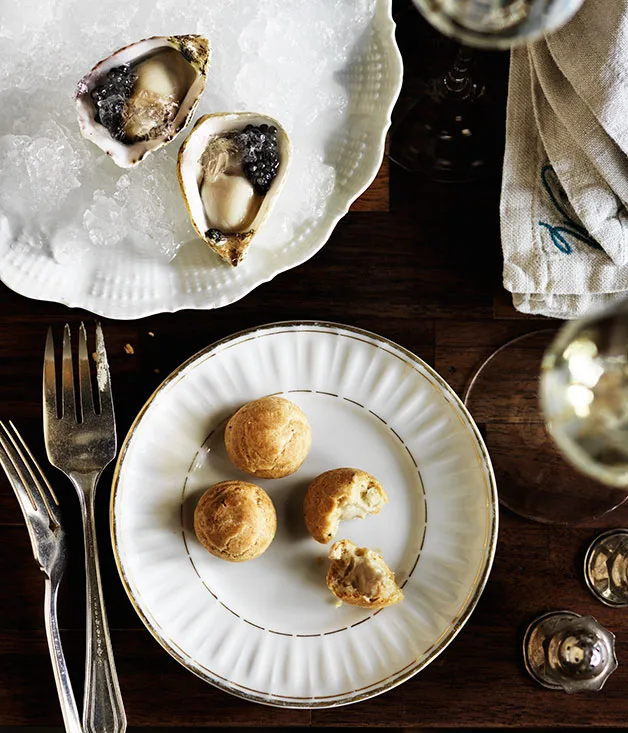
59,667
103,709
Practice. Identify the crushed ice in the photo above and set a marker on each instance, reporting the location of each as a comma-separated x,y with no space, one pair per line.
268,56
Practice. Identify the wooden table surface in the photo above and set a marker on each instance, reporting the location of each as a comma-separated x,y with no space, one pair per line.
418,263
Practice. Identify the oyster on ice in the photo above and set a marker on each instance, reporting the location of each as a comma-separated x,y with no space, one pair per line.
231,168
139,98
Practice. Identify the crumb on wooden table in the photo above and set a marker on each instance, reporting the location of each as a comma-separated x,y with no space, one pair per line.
94,356
156,371
129,349
150,333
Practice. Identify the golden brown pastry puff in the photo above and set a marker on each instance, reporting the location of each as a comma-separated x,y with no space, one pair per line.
268,438
342,493
360,577
235,520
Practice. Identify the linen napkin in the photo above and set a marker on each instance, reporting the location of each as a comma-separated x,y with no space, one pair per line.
564,202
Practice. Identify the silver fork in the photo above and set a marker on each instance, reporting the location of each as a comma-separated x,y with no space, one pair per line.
82,445
43,521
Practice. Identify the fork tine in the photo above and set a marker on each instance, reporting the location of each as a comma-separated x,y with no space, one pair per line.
25,471
68,404
39,477
50,380
20,486
25,497
85,382
103,376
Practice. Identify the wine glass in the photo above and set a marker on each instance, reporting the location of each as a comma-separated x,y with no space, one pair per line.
445,126
584,394
554,408
449,134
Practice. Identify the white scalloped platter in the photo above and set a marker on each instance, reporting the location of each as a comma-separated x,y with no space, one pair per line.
52,250
269,630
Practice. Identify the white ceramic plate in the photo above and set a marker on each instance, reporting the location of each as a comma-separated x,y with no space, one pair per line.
126,285
269,629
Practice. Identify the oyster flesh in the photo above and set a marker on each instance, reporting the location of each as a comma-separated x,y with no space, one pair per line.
231,168
139,98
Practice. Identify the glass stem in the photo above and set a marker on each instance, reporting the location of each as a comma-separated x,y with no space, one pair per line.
457,79
457,84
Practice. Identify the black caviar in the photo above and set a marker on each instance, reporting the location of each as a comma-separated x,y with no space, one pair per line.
109,98
260,155
215,236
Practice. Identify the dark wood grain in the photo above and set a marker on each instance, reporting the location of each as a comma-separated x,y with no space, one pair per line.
157,690
377,195
419,263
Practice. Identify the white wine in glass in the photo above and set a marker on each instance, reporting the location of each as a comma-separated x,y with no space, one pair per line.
584,394
532,448
497,23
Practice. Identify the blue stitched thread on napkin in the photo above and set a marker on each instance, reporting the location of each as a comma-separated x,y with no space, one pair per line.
570,228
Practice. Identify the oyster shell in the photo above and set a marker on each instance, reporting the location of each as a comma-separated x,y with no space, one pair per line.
139,98
231,168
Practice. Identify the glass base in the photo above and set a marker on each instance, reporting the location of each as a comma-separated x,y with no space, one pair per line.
445,126
533,478
442,140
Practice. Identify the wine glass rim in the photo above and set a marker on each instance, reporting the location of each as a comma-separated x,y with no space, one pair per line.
434,13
